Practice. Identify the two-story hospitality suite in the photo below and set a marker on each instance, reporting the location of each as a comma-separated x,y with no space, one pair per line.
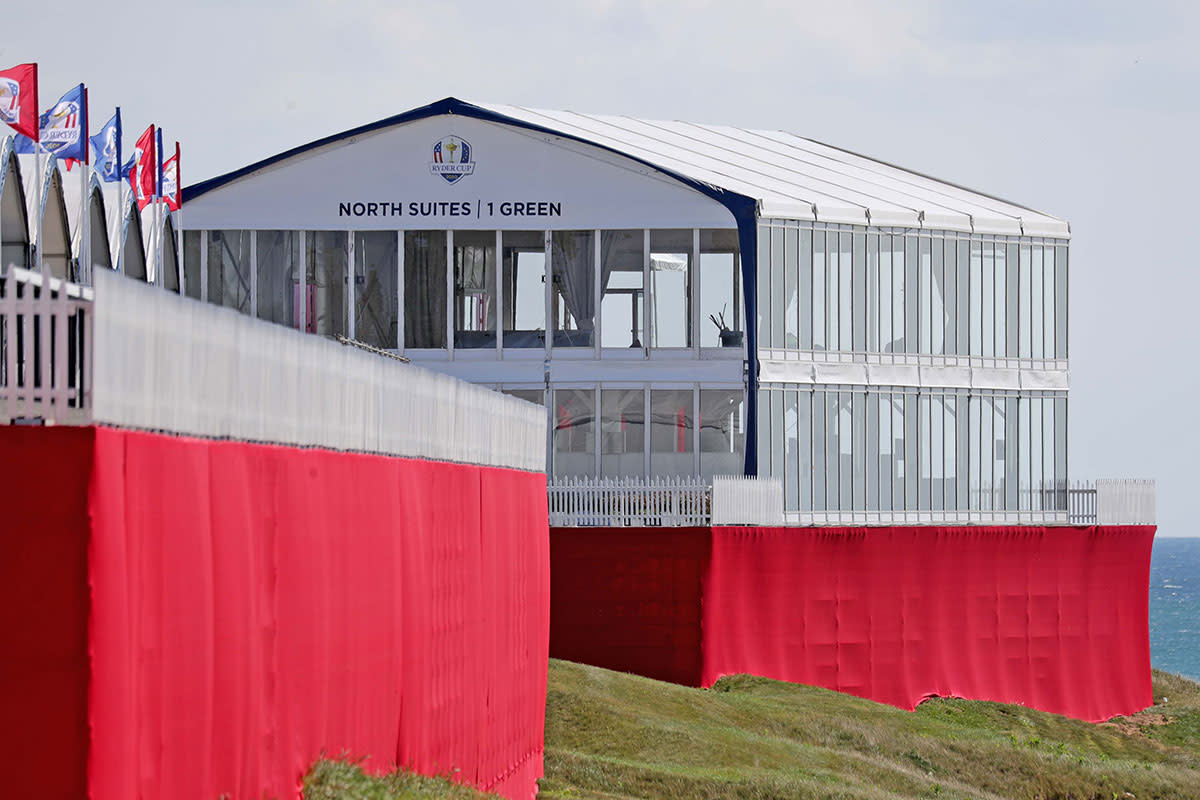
908,352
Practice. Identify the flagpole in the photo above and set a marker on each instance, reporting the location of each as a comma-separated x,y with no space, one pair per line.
85,222
37,154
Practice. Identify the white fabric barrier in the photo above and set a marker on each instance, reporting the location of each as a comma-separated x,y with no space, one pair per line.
1125,502
164,362
738,500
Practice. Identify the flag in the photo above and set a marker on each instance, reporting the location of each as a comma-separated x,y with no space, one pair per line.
106,150
142,167
62,128
171,192
19,99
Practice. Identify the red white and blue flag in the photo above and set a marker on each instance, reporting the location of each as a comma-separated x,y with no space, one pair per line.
19,99
63,129
143,168
170,188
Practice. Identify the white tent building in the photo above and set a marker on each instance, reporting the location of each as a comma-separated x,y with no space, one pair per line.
908,346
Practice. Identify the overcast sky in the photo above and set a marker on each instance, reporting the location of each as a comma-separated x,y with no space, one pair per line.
1088,111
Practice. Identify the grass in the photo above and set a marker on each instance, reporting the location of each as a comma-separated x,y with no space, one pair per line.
610,735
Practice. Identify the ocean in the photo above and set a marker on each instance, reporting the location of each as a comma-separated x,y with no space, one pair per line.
1175,606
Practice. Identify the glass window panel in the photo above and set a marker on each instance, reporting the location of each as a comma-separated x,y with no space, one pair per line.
1024,340
818,291
229,269
574,432
987,325
475,278
524,312
1035,456
1001,312
912,339
1013,296
791,286
425,289
925,454
871,281
833,316
778,440
938,319
925,279
845,451
976,287
859,284
671,417
858,454
720,290
804,426
326,266
912,439
899,293
621,274
1048,439
1060,302
622,432
900,449
886,299
1023,503
1037,304
999,451
964,298
1012,475
375,301
833,452
1060,453
671,288
279,276
791,455
722,434
764,432
573,299
950,270
887,450
973,405
819,441
191,264
962,459
764,287
805,304
871,460
1048,283
943,436
845,293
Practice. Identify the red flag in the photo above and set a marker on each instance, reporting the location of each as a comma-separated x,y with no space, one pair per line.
19,99
145,165
172,190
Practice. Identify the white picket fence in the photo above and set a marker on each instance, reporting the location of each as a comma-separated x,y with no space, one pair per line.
45,330
635,502
741,500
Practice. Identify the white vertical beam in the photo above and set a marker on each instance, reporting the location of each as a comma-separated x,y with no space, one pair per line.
351,282
549,279
597,293
694,294
646,299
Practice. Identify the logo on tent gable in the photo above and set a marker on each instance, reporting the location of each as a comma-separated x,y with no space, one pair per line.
452,159
10,101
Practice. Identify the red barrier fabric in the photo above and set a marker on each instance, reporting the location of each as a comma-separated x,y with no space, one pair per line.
43,611
1053,618
629,599
254,607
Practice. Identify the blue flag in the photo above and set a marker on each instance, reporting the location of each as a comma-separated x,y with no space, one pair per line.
63,128
106,150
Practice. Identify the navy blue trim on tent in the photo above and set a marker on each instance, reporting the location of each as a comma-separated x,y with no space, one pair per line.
743,208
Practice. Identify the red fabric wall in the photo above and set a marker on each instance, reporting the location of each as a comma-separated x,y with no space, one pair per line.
1053,618
43,611
253,607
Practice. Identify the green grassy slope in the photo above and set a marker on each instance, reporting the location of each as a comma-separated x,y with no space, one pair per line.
611,735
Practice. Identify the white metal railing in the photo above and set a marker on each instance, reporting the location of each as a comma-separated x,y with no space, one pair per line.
742,500
1081,503
45,336
636,502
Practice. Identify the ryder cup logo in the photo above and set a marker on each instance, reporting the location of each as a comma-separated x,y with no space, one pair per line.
62,127
10,101
452,159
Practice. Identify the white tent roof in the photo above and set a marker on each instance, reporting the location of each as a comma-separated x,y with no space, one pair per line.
797,178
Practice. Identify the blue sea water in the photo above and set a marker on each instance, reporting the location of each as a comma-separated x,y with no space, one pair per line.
1175,606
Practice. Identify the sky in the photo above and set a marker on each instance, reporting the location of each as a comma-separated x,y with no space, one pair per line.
1089,111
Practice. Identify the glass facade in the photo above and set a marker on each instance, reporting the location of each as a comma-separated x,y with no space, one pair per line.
858,290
